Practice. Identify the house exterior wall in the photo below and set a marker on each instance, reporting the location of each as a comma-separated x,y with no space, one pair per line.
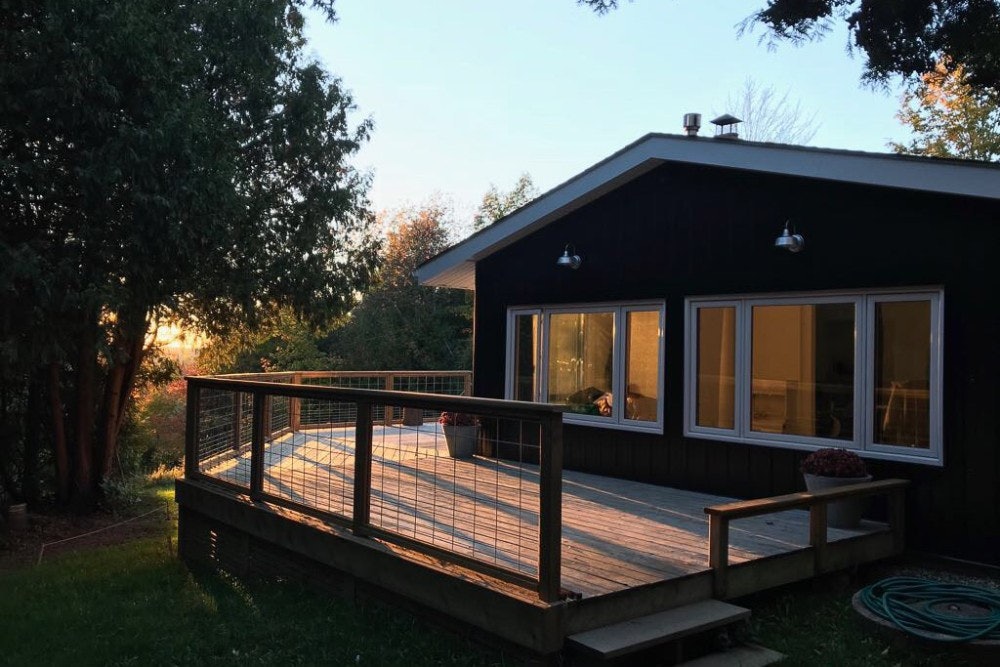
681,231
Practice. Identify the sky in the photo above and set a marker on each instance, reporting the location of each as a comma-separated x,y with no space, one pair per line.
466,94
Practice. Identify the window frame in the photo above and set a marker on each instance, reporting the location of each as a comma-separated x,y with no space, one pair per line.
620,310
864,395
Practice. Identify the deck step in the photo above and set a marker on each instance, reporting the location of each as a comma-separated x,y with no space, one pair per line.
747,655
612,641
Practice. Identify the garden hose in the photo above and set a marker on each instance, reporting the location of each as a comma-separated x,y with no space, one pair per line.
934,610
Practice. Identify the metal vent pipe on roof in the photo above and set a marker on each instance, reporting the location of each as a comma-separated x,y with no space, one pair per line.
692,123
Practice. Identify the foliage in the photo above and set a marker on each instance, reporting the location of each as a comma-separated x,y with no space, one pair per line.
768,116
834,462
400,325
286,343
179,159
496,204
137,604
457,419
898,37
948,117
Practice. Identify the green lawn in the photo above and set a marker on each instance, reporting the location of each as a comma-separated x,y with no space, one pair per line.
137,604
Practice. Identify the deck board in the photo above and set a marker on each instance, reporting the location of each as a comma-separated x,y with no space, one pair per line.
617,534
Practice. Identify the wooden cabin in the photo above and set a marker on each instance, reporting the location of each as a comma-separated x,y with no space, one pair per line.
710,311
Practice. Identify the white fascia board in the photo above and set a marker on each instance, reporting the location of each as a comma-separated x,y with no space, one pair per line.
456,266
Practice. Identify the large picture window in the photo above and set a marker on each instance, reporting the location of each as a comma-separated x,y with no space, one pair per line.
604,362
858,370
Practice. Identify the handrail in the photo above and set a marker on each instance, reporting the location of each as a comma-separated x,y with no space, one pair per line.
746,508
547,416
719,517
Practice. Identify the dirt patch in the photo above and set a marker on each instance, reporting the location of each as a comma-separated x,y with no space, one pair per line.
66,533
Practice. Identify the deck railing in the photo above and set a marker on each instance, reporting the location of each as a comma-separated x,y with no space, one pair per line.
377,461
816,502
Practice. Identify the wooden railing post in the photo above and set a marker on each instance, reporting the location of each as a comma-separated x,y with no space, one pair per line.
191,430
361,514
257,436
387,418
718,553
467,384
295,407
897,519
817,535
550,509
237,420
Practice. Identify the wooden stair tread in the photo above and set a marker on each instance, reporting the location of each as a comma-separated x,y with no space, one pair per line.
747,655
636,634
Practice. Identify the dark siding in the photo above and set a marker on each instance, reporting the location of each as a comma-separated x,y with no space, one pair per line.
683,230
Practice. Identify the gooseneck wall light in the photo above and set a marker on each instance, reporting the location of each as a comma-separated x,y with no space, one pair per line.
568,260
789,239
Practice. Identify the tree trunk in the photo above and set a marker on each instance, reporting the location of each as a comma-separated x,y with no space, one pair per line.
118,390
59,434
33,423
84,483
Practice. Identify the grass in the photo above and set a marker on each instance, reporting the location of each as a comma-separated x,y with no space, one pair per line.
135,603
814,624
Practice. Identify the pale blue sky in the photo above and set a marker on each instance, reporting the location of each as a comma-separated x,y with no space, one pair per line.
465,93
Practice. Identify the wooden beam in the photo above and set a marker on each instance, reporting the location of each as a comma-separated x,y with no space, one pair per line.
295,406
191,431
257,436
362,467
745,508
550,509
817,535
718,552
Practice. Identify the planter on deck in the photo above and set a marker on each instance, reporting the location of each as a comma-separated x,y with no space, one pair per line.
841,513
461,440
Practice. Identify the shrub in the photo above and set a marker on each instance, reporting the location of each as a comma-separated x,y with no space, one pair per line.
832,462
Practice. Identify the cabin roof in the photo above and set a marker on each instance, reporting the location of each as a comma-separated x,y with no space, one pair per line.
455,267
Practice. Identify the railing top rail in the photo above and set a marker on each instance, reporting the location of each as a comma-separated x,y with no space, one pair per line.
493,406
325,374
746,508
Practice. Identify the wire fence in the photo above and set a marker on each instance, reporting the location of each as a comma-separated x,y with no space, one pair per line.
484,493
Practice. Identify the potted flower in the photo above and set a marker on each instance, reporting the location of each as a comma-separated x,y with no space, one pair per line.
460,431
829,468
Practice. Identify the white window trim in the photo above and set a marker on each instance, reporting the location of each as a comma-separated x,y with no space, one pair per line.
620,309
864,302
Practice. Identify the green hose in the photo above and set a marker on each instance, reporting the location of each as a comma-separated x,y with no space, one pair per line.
921,608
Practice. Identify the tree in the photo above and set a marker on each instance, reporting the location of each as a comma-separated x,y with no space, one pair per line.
948,117
768,116
178,160
400,325
496,204
898,37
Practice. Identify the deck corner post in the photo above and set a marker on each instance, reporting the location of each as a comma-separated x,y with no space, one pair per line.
258,435
361,513
817,535
718,553
295,407
192,418
550,508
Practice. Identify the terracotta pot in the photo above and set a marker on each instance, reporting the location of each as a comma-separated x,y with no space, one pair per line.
461,440
842,513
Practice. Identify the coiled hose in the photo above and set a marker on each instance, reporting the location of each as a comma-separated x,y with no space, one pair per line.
935,610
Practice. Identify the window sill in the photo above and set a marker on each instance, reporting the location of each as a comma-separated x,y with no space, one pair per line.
928,459
652,428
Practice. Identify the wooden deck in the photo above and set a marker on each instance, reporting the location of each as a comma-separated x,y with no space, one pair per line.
617,534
